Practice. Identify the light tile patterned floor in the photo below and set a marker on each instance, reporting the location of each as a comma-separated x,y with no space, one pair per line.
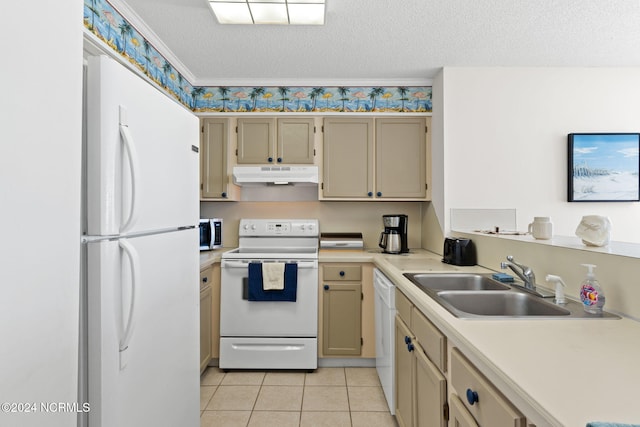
335,397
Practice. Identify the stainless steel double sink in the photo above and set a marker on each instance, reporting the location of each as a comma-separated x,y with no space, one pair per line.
478,296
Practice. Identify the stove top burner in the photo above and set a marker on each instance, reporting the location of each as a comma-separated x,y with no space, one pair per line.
276,239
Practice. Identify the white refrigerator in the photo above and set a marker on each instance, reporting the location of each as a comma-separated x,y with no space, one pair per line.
141,264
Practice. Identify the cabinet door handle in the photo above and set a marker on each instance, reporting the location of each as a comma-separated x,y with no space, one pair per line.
205,279
379,193
224,194
279,159
407,339
410,347
370,193
341,274
472,396
326,287
270,159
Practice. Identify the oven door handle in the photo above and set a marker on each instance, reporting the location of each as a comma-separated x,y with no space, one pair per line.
245,264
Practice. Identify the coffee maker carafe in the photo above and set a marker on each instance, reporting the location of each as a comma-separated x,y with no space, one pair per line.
393,240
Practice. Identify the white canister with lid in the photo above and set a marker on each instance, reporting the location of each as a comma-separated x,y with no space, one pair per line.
541,228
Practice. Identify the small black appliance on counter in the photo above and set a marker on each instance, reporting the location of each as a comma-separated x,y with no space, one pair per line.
459,252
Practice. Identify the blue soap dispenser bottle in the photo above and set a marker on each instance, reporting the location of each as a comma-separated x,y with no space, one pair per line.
591,293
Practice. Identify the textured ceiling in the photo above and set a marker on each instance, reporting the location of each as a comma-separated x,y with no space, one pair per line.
396,41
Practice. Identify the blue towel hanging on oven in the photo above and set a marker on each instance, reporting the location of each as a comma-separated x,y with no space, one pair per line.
289,293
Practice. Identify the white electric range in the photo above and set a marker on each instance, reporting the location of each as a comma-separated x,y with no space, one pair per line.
281,330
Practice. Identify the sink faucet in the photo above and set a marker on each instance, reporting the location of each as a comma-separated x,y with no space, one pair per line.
522,271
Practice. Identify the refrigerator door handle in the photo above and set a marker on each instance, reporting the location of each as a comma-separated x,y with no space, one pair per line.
133,168
134,261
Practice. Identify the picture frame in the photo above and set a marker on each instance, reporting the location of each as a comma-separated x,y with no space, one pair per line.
603,167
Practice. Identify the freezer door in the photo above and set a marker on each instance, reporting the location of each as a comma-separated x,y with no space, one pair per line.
142,155
143,331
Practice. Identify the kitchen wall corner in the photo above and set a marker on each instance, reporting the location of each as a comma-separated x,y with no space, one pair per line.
432,230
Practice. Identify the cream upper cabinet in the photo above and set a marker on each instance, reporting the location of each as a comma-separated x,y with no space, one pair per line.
275,141
347,158
256,140
296,140
214,161
381,158
401,158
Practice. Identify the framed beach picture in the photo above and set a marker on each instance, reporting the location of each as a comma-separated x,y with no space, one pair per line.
603,167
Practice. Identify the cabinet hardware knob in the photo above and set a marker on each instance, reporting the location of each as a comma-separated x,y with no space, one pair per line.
326,287
270,159
205,279
370,193
379,193
410,347
279,159
407,340
341,274
224,194
472,396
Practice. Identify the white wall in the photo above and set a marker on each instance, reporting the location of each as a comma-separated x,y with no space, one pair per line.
40,143
504,139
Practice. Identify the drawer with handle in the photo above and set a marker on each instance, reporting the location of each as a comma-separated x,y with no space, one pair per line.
206,277
485,403
342,272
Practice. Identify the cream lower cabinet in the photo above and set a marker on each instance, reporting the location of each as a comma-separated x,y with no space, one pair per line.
346,310
423,380
458,414
205,318
421,388
341,319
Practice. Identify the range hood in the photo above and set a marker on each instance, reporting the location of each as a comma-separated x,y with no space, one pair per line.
278,175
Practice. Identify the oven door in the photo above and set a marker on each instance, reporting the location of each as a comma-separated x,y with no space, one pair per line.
240,317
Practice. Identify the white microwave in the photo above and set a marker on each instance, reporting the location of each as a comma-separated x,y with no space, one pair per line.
210,234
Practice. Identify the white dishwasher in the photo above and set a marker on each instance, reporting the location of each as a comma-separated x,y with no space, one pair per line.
385,313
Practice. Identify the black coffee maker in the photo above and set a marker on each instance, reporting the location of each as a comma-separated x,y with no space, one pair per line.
393,240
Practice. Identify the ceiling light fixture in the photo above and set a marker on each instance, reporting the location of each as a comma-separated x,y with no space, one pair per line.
274,12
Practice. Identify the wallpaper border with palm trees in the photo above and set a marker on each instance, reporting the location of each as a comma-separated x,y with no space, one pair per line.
103,20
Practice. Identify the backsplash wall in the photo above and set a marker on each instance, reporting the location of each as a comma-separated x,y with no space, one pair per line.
364,217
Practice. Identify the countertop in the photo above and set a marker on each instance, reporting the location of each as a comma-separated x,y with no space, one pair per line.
557,372
208,258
